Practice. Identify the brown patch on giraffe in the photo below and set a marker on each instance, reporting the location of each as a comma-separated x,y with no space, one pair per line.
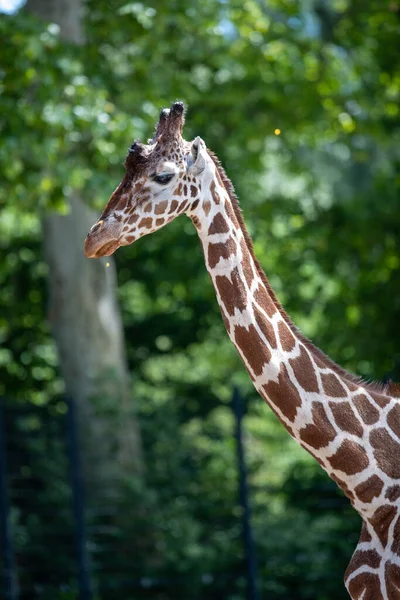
218,251
160,222
366,586
196,222
232,292
352,385
287,427
133,219
264,301
147,223
206,207
386,452
396,537
130,238
367,411
393,420
345,418
185,189
218,225
195,204
332,386
246,263
178,190
283,394
318,360
120,203
393,493
319,433
147,208
184,205
350,458
365,535
286,337
381,520
343,485
369,489
161,207
226,321
304,371
214,193
392,578
365,557
381,401
252,347
174,206
266,327
193,191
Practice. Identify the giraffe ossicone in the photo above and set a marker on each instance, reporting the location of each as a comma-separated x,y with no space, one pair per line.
352,428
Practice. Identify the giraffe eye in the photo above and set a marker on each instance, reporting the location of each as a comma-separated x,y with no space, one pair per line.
163,178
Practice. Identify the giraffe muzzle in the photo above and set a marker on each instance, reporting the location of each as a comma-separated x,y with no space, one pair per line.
102,240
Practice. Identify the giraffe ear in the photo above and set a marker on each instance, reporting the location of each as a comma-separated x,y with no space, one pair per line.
197,160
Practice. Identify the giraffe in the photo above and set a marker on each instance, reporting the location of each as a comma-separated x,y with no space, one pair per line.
350,427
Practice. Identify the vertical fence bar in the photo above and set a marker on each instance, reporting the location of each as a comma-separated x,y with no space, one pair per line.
85,588
9,578
251,563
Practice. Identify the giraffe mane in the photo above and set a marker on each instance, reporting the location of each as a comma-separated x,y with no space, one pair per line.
372,386
393,389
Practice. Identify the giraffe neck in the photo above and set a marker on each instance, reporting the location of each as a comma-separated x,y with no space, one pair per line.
353,430
323,408
281,367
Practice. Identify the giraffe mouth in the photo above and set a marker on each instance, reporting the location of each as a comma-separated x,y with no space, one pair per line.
96,250
103,239
107,249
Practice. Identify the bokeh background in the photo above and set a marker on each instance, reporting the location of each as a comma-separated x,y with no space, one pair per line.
300,101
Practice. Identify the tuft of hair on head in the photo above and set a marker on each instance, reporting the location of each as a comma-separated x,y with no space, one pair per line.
137,157
137,147
177,108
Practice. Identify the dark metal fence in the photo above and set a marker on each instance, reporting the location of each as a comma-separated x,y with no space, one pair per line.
9,584
46,551
251,562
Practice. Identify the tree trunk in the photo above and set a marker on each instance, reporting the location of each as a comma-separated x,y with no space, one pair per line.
66,13
86,321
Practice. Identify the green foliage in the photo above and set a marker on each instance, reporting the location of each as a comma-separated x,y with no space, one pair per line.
322,204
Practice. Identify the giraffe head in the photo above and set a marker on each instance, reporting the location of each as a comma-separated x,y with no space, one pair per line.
162,180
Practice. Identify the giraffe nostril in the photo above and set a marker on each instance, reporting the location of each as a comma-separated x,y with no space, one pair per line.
97,226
